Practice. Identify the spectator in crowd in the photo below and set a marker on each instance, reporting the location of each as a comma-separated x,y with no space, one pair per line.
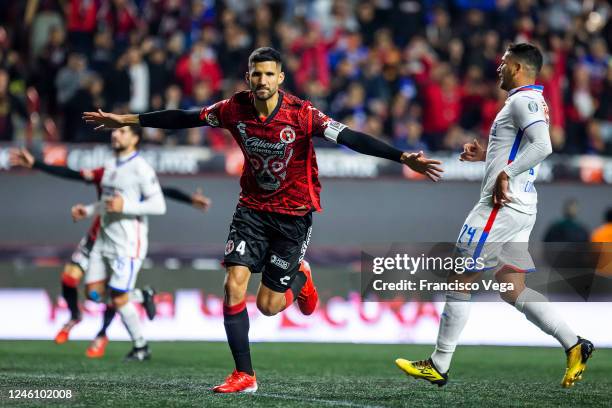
370,61
9,105
568,228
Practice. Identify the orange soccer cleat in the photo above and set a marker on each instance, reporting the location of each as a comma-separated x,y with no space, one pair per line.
64,333
308,297
97,347
237,381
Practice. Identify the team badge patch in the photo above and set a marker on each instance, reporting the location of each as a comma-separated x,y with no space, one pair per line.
532,106
229,247
287,135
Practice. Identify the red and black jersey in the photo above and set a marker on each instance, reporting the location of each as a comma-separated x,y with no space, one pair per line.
280,172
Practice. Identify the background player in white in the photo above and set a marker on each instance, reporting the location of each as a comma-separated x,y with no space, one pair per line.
130,192
498,227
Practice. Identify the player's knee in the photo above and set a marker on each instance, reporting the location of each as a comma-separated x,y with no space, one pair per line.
267,308
234,289
71,275
118,298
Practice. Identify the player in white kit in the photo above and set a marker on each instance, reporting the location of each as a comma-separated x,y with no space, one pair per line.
498,227
130,192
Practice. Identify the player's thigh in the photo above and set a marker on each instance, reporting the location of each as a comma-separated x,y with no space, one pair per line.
515,253
123,273
288,245
483,235
95,276
247,242
79,260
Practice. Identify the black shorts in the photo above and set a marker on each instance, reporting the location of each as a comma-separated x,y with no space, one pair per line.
271,243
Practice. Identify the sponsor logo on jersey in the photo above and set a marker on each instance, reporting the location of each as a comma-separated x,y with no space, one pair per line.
229,247
532,106
281,263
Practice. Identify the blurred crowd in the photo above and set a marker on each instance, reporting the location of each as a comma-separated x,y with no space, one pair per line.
419,74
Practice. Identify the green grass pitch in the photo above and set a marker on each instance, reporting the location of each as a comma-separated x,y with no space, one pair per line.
297,374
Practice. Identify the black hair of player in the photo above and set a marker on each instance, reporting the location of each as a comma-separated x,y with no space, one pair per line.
137,130
264,54
528,54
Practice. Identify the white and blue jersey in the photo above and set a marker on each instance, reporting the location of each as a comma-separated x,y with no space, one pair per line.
524,107
499,235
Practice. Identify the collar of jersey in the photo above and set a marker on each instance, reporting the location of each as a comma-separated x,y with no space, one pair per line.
273,113
122,162
538,88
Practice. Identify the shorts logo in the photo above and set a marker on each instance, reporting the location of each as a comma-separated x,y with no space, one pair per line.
212,120
532,106
284,280
287,135
229,247
275,260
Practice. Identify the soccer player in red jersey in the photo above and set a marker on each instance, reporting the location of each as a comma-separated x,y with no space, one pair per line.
271,227
76,269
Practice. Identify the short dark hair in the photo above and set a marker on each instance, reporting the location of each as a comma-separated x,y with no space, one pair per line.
137,130
264,54
528,54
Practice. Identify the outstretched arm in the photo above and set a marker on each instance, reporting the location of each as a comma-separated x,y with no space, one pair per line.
23,158
165,119
197,200
366,144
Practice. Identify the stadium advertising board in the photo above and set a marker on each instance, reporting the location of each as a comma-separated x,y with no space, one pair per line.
333,163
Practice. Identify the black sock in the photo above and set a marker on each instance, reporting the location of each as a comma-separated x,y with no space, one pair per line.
109,314
71,296
237,330
297,284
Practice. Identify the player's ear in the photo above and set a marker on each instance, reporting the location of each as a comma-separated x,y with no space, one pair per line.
246,77
281,78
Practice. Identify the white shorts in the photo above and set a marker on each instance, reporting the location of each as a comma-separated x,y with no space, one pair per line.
80,256
498,237
122,271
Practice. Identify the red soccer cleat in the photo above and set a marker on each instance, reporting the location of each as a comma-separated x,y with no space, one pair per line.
64,333
97,347
308,297
237,381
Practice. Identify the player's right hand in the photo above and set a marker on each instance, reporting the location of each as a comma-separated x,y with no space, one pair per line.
78,212
21,157
473,152
103,120
200,201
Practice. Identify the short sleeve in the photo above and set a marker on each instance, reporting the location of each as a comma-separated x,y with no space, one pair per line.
213,115
323,125
527,111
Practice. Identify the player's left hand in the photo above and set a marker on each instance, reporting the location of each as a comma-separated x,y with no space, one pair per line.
78,212
200,201
421,164
114,204
501,195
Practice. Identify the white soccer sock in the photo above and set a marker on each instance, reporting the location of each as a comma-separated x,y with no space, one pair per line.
136,295
538,311
454,317
129,315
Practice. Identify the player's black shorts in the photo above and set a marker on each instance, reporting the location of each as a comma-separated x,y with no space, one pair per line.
271,243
